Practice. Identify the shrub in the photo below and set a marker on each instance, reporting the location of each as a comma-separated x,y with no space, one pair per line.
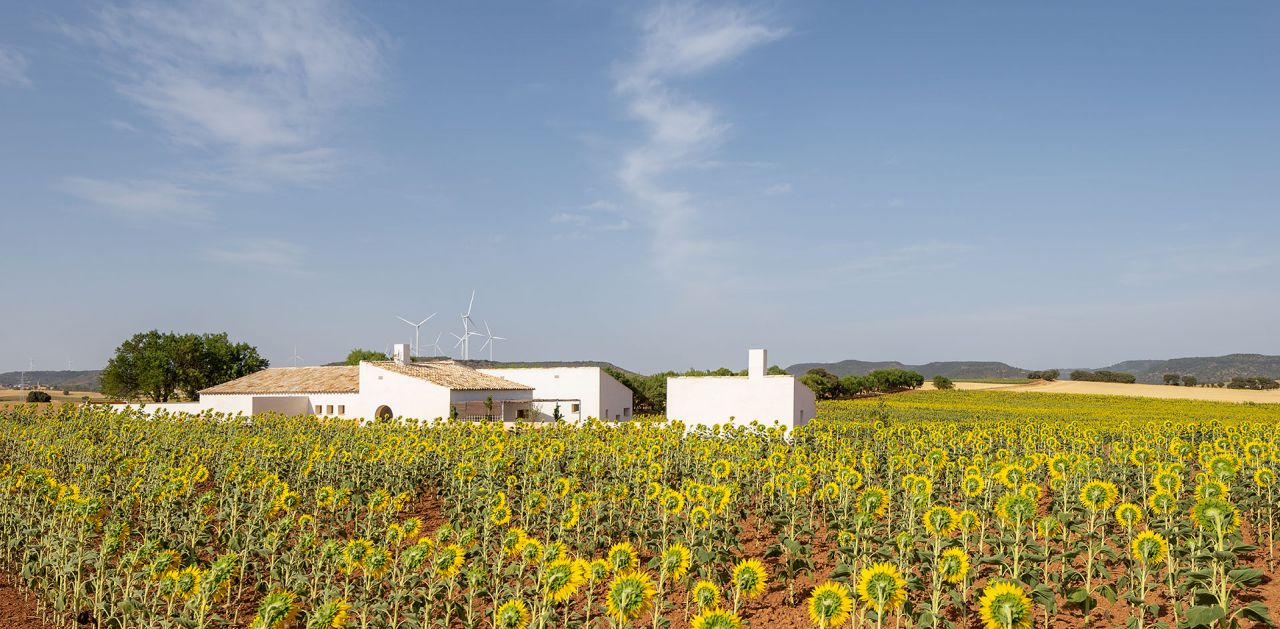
38,396
943,383
1103,375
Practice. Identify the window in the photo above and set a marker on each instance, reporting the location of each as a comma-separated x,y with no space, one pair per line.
318,409
328,410
522,413
576,408
342,409
626,411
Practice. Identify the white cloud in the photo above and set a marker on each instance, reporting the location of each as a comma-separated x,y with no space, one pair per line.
13,68
268,253
778,188
679,41
120,125
139,199
255,84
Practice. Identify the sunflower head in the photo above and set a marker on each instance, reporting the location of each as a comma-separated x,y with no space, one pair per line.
829,605
1264,477
953,565
1005,606
1128,514
629,595
1015,509
597,570
1150,548
622,557
277,610
561,578
973,485
1098,495
331,614
705,594
1215,514
881,587
448,560
1161,502
968,520
940,521
750,578
716,619
675,561
511,615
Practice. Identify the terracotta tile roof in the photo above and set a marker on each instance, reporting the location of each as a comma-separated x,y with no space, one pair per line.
339,379
457,377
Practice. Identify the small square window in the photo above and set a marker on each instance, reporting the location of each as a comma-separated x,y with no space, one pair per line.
342,409
576,408
328,410
626,411
319,409
522,414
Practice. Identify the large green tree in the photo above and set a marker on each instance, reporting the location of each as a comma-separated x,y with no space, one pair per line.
161,366
358,355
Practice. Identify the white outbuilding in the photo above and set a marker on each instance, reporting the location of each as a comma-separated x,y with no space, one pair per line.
579,392
764,398
393,388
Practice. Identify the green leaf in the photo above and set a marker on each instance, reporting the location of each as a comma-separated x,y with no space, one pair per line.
1204,615
1245,576
1257,612
1108,593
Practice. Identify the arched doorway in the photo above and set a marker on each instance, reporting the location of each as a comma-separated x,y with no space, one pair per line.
383,412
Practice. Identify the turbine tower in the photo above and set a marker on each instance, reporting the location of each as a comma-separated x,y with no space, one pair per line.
468,328
489,340
296,357
435,347
417,349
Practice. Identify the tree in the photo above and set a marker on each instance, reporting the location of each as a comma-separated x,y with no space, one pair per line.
775,370
1189,381
38,396
158,366
943,383
824,384
358,355
556,415
1049,374
1035,375
1172,379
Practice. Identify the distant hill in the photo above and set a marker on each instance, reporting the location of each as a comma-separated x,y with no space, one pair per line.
492,364
956,370
88,380
1205,369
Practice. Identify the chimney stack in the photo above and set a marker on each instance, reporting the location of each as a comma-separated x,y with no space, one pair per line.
757,363
400,353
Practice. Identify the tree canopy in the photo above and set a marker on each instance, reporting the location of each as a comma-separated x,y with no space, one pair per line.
162,366
358,355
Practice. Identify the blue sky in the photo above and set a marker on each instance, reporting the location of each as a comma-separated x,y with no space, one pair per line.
662,185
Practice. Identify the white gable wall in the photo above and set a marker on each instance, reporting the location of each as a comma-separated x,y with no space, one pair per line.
712,400
597,392
406,396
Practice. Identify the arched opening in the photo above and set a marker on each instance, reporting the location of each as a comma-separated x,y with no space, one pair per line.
383,412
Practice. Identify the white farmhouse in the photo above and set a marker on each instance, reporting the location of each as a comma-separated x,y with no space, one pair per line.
711,400
394,388
580,392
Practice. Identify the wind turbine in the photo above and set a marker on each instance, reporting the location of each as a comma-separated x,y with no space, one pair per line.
467,331
436,345
296,357
489,340
416,326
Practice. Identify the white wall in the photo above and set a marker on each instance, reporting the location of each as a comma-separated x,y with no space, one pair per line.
406,396
721,399
596,390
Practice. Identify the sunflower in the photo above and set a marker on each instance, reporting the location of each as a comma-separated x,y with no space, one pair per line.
1030,490
1128,514
629,596
1098,495
597,570
953,565
1005,606
1215,514
968,520
750,578
448,560
973,485
187,582
354,553
1150,548
531,550
331,614
705,594
672,502
699,517
873,501
1211,489
513,541
675,561
376,561
500,515
721,468
276,611
1015,509
829,605
511,615
716,619
622,557
1167,481
1012,476
569,518
881,587
940,521
1161,502
561,578
535,502
1264,477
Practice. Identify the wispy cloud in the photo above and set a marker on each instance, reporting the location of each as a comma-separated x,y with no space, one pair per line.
255,84
778,188
13,68
679,41
597,216
139,199
263,253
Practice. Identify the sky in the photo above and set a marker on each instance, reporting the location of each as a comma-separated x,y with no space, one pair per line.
658,184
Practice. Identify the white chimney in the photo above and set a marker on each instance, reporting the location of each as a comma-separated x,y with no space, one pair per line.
400,353
757,363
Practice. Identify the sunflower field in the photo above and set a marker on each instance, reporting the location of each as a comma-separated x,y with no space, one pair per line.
967,511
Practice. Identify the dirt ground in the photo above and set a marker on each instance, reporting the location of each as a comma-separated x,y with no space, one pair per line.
18,608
